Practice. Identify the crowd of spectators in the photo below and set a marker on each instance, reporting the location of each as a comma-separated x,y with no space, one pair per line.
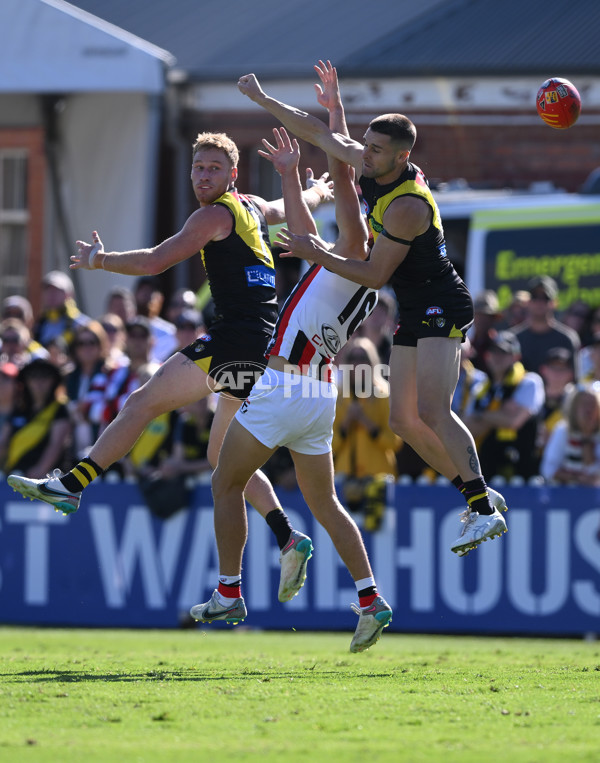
64,376
528,390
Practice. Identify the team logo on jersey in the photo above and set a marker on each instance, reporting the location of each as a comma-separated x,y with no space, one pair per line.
434,311
440,322
331,339
199,347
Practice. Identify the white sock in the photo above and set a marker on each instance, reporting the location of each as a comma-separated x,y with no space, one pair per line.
364,583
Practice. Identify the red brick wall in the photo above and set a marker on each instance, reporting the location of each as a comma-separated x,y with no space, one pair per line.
485,155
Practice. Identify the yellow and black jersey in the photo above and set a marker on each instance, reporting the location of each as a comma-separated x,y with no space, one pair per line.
240,268
30,436
426,263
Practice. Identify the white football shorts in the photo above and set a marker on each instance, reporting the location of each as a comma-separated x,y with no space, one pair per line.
290,410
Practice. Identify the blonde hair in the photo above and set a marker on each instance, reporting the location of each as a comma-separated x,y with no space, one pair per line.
572,398
220,142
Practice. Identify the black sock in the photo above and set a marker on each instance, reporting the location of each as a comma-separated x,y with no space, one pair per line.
81,475
458,483
280,525
475,491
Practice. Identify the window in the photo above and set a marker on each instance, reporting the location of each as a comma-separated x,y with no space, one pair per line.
14,221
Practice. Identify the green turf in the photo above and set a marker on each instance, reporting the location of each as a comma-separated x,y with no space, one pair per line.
211,694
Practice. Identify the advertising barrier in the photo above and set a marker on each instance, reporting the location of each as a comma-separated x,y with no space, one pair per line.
114,564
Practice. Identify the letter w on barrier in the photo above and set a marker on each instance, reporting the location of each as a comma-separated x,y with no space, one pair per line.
137,547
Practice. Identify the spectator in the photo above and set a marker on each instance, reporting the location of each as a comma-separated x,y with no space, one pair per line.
188,327
470,380
36,437
516,313
16,306
60,314
120,301
486,317
503,415
379,327
86,384
16,344
149,301
572,455
364,447
58,354
19,308
127,378
541,331
557,373
578,317
8,385
182,299
116,338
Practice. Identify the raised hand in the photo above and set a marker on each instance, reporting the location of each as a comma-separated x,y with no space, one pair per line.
325,186
328,94
306,247
249,85
285,155
88,257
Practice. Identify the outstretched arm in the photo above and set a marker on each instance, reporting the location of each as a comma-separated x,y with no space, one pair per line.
351,223
304,125
285,156
203,225
318,191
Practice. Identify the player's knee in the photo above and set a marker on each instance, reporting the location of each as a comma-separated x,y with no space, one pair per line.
141,403
430,413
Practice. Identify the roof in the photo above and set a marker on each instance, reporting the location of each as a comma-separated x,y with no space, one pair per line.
51,46
476,37
376,38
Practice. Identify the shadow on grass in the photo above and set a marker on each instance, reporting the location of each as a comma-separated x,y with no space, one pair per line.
74,676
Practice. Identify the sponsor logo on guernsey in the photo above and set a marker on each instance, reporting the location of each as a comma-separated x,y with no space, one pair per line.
260,275
433,310
331,339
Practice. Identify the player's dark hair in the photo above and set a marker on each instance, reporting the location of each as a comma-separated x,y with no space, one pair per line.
400,129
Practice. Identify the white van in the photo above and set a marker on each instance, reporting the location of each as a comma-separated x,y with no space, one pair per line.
500,239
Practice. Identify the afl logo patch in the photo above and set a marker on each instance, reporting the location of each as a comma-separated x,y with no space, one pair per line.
365,207
331,339
434,311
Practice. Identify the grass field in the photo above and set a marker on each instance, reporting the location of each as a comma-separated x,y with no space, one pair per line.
212,694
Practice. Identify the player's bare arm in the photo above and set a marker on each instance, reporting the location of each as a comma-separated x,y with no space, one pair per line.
405,218
304,125
285,156
328,96
352,238
320,191
210,223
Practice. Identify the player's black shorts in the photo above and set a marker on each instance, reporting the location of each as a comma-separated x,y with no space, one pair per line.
447,314
232,353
